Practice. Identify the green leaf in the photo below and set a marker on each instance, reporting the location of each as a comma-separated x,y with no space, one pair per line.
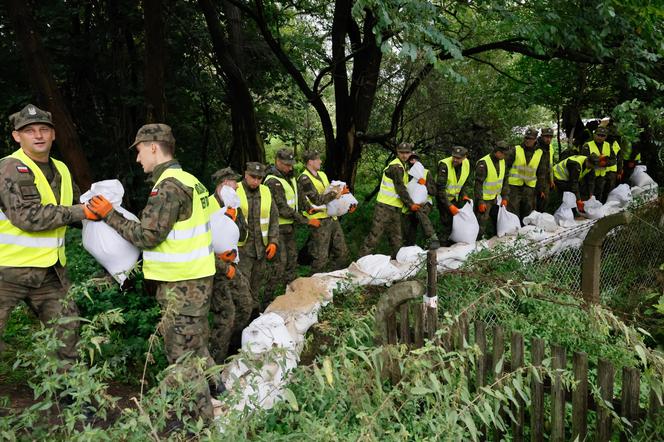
290,398
470,424
420,391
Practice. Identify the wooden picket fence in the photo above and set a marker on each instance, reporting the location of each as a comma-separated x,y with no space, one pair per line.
410,323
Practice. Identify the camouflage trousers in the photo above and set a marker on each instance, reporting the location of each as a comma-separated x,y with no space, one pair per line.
326,240
487,220
521,200
253,269
46,302
231,307
283,269
604,185
412,220
387,220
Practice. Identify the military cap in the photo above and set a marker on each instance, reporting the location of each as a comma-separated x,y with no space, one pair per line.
404,147
255,168
227,173
531,132
154,132
501,146
601,130
547,131
286,155
30,114
310,155
459,152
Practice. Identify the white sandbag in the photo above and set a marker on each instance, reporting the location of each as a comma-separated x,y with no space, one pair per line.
117,255
640,178
453,257
593,209
265,332
229,197
378,267
612,207
416,170
341,205
544,221
417,192
621,194
225,233
410,255
507,223
465,226
563,215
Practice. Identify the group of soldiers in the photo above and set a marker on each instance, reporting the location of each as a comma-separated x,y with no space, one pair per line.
174,227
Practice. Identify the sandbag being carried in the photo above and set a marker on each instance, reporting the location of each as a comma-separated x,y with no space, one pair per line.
464,225
417,192
341,205
507,222
563,215
225,233
117,255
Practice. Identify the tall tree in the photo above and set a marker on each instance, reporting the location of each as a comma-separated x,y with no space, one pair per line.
155,60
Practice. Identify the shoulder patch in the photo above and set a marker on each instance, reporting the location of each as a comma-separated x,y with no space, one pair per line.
22,169
154,191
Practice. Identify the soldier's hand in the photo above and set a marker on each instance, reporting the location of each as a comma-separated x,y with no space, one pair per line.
552,185
466,198
345,190
230,273
271,251
231,212
580,205
89,214
339,191
314,223
227,256
415,207
352,208
542,195
481,208
100,205
453,210
504,202
422,181
312,210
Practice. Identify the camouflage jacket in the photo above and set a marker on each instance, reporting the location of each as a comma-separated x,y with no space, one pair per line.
279,197
21,203
254,246
574,171
441,185
541,174
306,192
395,173
170,201
480,177
546,155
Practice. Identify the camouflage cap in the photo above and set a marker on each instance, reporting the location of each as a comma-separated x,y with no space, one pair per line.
310,155
255,168
547,131
459,152
227,173
154,132
30,114
501,146
531,132
601,130
286,155
405,147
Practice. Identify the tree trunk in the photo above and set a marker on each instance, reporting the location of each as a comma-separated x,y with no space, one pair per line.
49,95
247,142
155,59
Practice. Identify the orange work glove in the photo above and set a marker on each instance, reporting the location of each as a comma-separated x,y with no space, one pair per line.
89,214
603,161
454,210
422,181
466,198
100,205
580,205
314,223
230,273
311,211
504,202
619,176
414,207
345,190
271,250
481,208
227,256
231,212
542,195
352,208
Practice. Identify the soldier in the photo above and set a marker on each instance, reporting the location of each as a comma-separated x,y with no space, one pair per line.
452,186
526,177
569,172
262,238
392,198
631,155
174,234
608,159
421,217
614,173
35,208
489,177
231,302
544,143
283,187
329,237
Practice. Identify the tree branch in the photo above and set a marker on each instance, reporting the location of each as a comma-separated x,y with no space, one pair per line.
500,71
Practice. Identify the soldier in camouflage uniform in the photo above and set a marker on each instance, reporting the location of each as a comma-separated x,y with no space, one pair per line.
328,237
452,188
177,248
231,302
262,238
526,177
421,217
609,161
35,206
544,142
488,184
283,187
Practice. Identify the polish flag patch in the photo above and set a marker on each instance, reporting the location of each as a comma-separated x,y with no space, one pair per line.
154,192
22,169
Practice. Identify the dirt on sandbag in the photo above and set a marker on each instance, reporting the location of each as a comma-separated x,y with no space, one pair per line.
300,296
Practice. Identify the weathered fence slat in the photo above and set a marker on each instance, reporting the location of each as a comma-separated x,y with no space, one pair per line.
605,373
559,362
498,351
537,387
404,326
518,411
629,404
419,325
580,396
392,328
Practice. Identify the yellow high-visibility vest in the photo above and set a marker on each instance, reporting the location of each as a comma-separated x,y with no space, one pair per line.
493,183
454,184
616,149
290,191
320,188
266,205
522,172
627,153
19,248
388,193
560,170
187,252
606,151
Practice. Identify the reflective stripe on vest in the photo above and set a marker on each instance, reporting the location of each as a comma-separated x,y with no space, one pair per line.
320,186
266,205
606,151
388,193
186,253
454,185
19,248
493,183
290,192
561,173
615,147
524,173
